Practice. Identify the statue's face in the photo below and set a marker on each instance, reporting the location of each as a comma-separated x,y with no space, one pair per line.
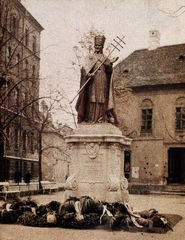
98,47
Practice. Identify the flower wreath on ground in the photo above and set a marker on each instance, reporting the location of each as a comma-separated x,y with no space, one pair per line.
81,213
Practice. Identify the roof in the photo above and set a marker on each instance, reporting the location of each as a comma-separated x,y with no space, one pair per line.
164,65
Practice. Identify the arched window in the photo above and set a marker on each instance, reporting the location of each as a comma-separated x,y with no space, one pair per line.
180,113
146,116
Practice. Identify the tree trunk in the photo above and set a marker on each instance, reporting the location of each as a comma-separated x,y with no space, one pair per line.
40,159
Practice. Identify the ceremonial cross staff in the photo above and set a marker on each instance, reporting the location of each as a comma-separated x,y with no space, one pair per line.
118,44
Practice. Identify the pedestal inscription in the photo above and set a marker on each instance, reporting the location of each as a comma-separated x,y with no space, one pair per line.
92,170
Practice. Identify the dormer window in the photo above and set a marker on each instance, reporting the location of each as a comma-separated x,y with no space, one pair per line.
181,57
125,71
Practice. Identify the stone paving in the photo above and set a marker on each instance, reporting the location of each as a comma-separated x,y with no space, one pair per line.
163,203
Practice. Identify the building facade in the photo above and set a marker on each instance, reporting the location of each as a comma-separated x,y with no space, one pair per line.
19,108
150,104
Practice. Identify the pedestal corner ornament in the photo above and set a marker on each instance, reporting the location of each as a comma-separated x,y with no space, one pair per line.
71,183
124,184
113,184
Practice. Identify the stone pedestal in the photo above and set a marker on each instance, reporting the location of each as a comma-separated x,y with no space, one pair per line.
97,163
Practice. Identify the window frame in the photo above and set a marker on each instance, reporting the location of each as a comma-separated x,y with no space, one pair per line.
146,120
180,118
16,139
13,24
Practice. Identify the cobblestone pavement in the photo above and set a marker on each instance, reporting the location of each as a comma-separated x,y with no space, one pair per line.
163,203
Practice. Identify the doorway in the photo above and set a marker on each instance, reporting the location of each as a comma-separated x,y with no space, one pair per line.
176,165
127,164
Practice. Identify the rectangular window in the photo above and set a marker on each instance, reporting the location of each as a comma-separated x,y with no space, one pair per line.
7,137
16,138
9,53
180,118
25,167
32,169
24,140
17,166
32,143
27,66
33,71
9,99
13,24
18,64
26,37
34,44
146,120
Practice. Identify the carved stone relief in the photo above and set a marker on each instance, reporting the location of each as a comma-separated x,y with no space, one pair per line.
92,149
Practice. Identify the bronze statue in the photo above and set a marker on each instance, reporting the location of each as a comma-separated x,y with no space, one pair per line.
95,103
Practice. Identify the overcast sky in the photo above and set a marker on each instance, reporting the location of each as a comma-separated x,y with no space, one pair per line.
65,22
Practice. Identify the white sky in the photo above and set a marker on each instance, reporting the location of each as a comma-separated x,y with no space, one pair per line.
65,22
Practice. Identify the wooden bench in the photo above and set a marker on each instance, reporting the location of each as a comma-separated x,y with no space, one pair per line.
48,186
5,190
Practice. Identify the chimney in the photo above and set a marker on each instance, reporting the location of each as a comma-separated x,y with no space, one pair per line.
154,39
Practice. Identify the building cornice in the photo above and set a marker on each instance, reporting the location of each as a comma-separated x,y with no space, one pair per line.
27,15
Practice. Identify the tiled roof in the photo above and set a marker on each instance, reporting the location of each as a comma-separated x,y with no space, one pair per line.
164,65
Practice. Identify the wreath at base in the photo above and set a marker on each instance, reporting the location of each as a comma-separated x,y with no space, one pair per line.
81,213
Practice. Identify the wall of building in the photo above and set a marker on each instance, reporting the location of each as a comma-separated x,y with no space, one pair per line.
149,157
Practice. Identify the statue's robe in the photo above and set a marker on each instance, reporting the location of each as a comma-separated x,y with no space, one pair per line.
96,99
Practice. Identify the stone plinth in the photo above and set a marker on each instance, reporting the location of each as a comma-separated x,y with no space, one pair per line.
97,163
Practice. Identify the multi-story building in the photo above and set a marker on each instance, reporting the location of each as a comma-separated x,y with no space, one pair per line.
19,72
150,102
